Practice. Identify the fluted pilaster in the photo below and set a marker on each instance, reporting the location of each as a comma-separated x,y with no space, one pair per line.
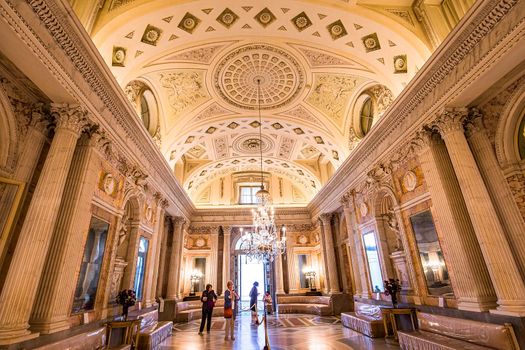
53,306
504,272
175,259
330,253
21,284
498,187
469,275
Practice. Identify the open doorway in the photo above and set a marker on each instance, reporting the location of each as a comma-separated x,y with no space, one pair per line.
250,271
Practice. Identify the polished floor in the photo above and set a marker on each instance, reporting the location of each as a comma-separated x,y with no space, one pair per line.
286,332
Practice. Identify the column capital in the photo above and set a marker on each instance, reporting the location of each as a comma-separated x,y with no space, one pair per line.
69,117
474,123
421,141
450,120
347,200
178,220
325,218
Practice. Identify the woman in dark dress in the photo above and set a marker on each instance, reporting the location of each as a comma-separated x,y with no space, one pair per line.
208,300
254,293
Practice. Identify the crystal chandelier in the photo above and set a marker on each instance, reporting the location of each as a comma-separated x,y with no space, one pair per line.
263,242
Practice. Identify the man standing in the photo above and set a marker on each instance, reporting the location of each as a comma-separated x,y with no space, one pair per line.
208,300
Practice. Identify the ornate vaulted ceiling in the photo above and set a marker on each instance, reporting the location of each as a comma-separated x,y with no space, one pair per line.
202,59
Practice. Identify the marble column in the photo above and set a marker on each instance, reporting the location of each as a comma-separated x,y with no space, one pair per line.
57,286
150,283
226,265
174,265
162,271
339,248
463,256
214,239
503,270
278,264
330,253
160,239
21,283
498,188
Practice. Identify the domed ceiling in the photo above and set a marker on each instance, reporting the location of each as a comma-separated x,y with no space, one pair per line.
203,61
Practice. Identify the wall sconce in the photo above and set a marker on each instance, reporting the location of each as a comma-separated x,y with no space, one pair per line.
194,278
310,274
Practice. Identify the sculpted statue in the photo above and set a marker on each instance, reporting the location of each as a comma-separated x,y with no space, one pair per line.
123,230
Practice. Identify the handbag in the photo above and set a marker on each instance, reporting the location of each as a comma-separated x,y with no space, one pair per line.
228,312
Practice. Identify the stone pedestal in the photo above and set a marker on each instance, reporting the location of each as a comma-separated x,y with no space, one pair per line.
504,272
116,277
21,283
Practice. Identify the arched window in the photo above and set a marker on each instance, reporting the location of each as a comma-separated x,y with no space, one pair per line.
149,111
366,116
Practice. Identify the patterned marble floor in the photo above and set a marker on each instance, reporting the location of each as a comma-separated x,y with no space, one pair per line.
286,332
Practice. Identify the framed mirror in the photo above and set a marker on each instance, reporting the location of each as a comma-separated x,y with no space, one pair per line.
431,255
141,267
88,278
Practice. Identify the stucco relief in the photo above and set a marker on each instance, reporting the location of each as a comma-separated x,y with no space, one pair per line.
302,113
286,147
220,145
199,55
517,186
211,111
185,90
321,59
331,94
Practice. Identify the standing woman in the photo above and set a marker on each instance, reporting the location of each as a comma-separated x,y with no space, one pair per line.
230,296
254,293
208,300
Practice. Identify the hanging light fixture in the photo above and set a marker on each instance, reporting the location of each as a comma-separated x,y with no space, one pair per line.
263,242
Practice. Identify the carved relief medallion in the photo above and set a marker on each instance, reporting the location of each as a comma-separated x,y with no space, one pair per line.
410,181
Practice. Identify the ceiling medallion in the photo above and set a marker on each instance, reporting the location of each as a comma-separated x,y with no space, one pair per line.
249,144
281,77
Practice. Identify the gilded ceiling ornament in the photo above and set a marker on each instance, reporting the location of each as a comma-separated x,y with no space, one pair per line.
371,42
337,30
265,17
400,64
189,23
227,18
151,35
118,57
301,21
249,144
236,75
185,89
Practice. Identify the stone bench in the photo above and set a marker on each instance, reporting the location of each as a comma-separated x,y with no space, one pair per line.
152,331
192,310
366,319
304,304
85,341
441,332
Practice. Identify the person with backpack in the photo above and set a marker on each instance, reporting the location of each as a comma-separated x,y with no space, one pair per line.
208,300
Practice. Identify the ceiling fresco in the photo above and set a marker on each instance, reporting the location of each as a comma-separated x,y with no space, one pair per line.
203,61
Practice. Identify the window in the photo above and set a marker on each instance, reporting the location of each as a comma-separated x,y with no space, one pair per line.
521,138
366,116
247,194
87,284
373,262
141,267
